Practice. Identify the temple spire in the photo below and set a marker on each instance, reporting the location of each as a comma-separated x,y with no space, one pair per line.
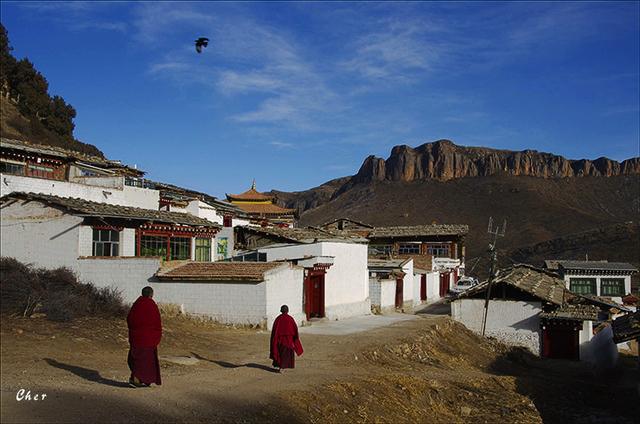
253,185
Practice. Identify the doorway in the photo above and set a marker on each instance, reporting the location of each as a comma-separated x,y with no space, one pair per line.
399,293
423,287
314,294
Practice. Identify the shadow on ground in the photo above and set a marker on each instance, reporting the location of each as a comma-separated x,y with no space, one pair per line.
67,406
85,373
225,364
565,391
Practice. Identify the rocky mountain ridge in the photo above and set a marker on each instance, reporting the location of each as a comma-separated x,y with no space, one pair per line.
443,160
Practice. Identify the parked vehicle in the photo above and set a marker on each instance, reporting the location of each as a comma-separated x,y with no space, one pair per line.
463,284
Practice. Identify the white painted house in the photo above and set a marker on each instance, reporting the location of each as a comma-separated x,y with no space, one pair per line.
391,284
336,283
531,307
243,293
596,278
104,244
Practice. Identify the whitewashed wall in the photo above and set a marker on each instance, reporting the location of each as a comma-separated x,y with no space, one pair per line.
433,286
34,233
383,294
284,287
417,283
128,275
126,196
228,302
514,323
408,285
346,282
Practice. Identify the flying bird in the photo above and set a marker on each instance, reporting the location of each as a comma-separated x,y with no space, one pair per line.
200,43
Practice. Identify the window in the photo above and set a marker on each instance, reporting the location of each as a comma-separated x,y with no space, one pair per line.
203,249
612,287
583,285
409,248
439,250
180,248
88,173
380,249
153,246
105,242
227,221
40,171
12,168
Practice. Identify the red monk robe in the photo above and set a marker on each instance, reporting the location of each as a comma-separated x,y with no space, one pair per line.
145,332
284,342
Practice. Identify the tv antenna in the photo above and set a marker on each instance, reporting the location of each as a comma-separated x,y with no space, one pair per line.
495,231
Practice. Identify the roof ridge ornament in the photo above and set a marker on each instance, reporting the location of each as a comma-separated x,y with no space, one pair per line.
253,185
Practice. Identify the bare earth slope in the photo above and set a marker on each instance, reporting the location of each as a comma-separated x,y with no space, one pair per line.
429,369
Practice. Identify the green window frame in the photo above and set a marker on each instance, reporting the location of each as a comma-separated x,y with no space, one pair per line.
203,249
583,285
180,248
612,287
153,246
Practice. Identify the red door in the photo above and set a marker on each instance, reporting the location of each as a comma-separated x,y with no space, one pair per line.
423,287
560,342
399,292
314,295
444,284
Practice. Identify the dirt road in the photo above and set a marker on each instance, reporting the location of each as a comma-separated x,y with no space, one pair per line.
424,370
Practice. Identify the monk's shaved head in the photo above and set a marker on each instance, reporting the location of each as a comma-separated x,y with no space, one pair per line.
147,292
284,309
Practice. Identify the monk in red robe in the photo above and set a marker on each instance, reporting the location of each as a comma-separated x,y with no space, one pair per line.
145,332
285,341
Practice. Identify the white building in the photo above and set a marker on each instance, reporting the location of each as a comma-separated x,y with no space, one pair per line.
391,284
244,293
336,284
51,231
527,308
596,278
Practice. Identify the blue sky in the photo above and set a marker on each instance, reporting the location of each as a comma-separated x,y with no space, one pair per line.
295,94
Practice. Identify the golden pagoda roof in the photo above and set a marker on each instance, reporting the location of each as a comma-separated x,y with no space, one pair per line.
264,209
251,195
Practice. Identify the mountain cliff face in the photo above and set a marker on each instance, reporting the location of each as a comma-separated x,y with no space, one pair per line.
442,160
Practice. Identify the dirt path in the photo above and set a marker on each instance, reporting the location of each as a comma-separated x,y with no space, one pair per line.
423,370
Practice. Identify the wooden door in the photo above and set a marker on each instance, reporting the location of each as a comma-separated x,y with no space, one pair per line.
399,292
444,284
314,296
560,342
423,287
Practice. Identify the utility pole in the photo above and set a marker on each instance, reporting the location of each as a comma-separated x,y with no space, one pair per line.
496,232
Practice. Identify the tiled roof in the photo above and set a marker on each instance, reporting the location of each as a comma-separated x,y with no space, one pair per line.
62,153
573,312
362,224
104,210
627,327
419,230
263,208
304,235
597,265
534,281
220,271
251,194
373,263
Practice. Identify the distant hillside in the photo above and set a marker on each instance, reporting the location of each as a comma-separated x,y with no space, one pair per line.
542,196
615,243
28,112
